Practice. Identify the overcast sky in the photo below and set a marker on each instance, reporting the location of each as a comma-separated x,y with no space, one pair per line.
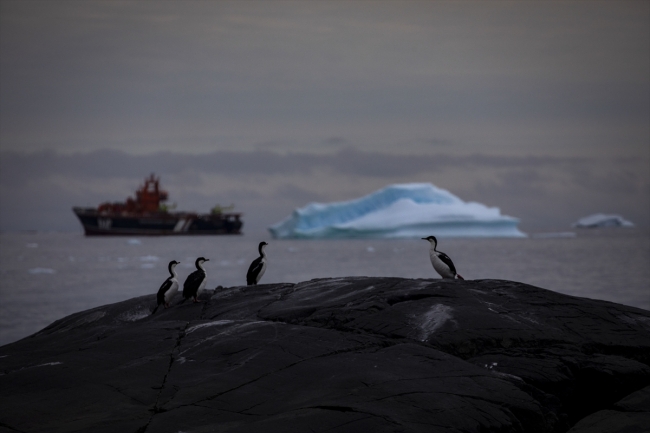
539,108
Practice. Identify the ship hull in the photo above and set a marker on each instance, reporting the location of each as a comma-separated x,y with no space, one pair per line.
157,224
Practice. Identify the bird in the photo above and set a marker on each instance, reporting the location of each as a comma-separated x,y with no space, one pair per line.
169,288
195,282
441,261
257,268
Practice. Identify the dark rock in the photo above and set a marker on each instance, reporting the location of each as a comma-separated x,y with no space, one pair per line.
630,415
347,354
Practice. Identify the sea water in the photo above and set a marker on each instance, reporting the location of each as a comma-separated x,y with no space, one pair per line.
46,276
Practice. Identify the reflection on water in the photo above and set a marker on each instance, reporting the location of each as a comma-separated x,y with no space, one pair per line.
46,276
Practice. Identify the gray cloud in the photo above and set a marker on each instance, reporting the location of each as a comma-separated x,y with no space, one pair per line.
336,142
268,185
16,168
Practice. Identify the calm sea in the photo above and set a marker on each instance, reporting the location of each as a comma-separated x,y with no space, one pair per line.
46,276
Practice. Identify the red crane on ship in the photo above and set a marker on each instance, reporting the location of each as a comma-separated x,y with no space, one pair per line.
147,200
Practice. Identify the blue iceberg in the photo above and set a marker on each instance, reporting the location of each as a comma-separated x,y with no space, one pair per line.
411,210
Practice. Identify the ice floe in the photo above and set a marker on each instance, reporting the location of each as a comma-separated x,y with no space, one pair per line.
554,235
602,220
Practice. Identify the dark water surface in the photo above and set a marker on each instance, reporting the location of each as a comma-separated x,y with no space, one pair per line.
46,276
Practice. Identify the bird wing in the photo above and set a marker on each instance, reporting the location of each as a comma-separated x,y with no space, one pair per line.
161,292
192,283
253,270
447,261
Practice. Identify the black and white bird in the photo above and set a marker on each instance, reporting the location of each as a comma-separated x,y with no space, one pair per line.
169,288
195,282
258,267
441,261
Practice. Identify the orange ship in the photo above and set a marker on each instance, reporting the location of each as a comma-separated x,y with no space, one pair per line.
147,215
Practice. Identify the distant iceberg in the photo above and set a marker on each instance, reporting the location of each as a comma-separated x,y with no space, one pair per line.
411,210
602,220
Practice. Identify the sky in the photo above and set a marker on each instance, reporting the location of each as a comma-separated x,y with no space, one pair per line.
539,108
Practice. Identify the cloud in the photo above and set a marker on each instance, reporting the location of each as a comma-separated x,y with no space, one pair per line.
336,142
17,168
268,185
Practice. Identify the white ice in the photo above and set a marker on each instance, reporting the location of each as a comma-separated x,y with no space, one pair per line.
409,210
602,220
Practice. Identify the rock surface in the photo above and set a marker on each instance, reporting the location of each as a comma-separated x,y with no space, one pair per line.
347,354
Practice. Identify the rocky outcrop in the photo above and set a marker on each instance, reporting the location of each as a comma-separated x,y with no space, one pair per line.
346,354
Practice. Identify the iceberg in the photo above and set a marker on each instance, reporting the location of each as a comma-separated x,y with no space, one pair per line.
602,220
411,210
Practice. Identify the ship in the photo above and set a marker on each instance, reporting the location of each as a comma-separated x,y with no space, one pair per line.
147,214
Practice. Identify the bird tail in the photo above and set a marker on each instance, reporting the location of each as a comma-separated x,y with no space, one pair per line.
459,277
184,299
155,309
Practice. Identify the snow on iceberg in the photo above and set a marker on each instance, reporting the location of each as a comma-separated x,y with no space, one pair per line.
602,220
411,210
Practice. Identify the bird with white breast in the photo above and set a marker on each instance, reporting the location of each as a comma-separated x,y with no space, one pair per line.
169,287
257,267
441,261
195,282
